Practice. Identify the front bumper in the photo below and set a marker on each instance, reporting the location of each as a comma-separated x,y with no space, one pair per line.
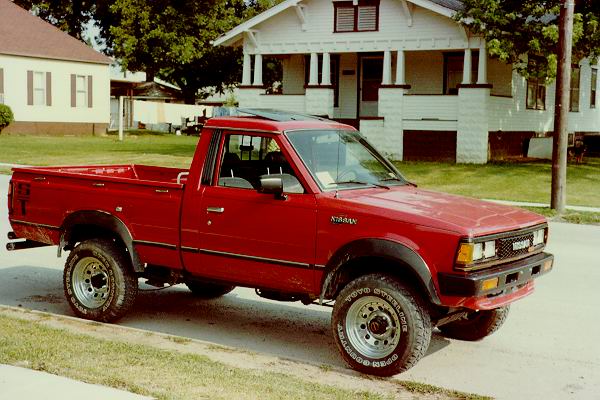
511,277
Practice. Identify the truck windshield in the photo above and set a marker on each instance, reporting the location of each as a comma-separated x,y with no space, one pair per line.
339,160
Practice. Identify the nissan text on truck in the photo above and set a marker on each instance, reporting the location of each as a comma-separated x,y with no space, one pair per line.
301,209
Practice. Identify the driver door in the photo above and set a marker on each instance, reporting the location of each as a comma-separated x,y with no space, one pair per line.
250,237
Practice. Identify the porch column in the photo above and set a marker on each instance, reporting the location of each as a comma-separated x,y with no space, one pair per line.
313,79
387,68
258,64
467,78
400,68
482,67
246,75
326,73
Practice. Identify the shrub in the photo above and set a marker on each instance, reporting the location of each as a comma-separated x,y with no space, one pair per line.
6,116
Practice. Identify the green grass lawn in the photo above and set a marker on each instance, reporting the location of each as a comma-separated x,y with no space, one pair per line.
506,181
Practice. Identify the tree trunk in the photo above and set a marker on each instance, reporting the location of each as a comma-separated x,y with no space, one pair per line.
561,112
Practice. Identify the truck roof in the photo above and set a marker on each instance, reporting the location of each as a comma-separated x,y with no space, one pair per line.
274,121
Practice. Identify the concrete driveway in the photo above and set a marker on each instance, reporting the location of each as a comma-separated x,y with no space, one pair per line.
548,349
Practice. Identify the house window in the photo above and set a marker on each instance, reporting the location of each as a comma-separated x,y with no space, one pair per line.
39,88
536,94
575,82
594,88
81,91
360,17
334,68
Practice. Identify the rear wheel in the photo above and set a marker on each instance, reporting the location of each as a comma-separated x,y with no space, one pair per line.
477,325
206,290
98,280
380,326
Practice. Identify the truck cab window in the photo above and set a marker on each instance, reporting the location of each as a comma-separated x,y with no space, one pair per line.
248,158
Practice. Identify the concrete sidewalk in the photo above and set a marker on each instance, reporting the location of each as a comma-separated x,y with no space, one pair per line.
22,383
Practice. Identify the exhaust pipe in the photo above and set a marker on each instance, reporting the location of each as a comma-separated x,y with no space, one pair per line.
26,244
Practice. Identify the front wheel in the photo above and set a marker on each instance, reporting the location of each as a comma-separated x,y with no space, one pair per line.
380,326
477,325
99,282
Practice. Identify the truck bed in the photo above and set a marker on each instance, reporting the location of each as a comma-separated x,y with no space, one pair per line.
146,199
140,174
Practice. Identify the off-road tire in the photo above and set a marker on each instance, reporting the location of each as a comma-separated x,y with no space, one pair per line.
115,280
205,290
389,306
477,325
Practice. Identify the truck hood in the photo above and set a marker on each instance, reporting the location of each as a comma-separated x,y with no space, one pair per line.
445,211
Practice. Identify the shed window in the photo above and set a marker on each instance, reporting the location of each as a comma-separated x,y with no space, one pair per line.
362,17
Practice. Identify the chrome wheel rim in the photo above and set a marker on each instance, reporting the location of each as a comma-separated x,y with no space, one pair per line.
91,282
373,327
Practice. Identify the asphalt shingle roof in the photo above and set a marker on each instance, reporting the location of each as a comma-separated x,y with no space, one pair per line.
24,34
455,5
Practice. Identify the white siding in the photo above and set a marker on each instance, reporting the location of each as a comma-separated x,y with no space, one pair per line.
293,103
428,30
425,72
510,113
293,74
15,90
348,89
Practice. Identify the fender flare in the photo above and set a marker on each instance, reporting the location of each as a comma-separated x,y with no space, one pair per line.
405,257
106,221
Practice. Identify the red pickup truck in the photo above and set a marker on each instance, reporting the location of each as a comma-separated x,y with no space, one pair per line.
301,209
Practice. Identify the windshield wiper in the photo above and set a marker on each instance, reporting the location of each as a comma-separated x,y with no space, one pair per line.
362,183
399,180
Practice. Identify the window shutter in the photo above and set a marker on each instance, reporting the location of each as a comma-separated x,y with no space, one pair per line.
1,81
73,90
90,92
344,19
48,88
29,88
367,18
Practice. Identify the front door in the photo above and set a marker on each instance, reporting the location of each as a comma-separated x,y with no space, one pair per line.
371,74
254,238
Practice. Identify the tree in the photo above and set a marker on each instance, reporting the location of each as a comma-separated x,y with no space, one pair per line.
6,116
172,39
525,32
69,16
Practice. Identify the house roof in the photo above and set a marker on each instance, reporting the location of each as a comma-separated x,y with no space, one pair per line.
24,34
443,7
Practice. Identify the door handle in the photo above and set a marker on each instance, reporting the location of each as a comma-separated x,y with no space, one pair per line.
217,210
98,184
162,190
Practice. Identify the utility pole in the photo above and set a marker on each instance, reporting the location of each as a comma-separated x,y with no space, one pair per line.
561,109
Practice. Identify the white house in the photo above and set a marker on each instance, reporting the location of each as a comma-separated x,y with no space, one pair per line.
406,73
53,83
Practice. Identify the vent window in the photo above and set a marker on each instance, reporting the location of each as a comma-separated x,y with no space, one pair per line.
360,17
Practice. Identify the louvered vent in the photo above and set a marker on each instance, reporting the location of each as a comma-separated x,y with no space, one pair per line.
345,19
367,18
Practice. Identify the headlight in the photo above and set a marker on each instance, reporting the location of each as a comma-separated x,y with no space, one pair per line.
538,237
475,252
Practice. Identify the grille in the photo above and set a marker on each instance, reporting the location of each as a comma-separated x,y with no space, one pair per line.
505,246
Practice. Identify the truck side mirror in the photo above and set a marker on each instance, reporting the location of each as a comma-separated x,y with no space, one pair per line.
272,186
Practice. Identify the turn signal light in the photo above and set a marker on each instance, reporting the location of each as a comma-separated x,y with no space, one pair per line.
489,284
547,265
465,253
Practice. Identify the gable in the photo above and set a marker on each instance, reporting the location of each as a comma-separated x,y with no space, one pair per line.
419,28
291,14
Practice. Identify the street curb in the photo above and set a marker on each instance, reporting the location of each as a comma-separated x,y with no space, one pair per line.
542,205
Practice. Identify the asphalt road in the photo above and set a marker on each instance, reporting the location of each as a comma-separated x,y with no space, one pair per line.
548,348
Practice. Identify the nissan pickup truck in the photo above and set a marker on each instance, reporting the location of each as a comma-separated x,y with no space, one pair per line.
301,209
